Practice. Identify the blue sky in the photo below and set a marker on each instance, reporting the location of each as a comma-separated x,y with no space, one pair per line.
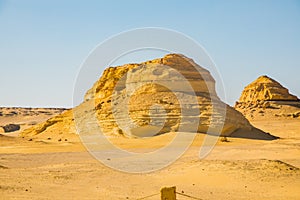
43,43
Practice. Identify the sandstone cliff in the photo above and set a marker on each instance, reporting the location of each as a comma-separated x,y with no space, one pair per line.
153,98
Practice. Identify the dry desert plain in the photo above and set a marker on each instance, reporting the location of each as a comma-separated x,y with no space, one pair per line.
238,169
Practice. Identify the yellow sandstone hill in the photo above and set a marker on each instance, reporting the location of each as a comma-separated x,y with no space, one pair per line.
265,88
265,97
169,94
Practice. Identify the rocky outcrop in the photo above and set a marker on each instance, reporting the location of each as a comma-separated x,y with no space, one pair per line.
151,98
265,88
60,124
267,97
142,88
11,128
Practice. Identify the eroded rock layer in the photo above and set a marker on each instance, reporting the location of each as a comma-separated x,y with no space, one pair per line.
265,88
266,97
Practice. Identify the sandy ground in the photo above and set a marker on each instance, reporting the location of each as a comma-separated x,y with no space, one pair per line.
238,169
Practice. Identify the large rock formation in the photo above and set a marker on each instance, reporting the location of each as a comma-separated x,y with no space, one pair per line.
265,96
151,98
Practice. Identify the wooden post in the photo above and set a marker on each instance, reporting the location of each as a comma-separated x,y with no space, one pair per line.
168,193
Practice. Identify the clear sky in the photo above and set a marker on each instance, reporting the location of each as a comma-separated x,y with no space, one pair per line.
43,43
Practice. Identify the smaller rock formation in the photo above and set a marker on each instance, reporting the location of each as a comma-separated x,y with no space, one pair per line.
266,89
11,128
264,97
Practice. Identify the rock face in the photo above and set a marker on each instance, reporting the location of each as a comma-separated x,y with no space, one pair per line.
151,98
266,89
266,97
161,82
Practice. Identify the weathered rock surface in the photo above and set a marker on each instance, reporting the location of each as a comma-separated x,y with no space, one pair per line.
144,82
60,124
266,97
152,98
265,88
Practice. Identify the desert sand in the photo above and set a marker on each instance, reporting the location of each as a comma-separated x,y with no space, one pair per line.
238,169
39,168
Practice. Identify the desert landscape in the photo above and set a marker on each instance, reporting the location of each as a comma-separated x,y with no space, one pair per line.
256,155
